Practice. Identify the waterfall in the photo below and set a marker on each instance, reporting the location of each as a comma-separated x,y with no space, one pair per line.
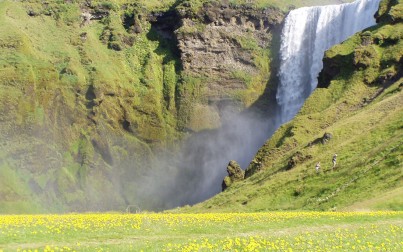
308,32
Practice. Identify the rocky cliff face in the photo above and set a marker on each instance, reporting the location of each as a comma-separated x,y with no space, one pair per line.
372,58
355,113
226,52
379,70
235,174
90,91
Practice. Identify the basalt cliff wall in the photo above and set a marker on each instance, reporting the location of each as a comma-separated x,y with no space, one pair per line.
356,113
226,54
91,91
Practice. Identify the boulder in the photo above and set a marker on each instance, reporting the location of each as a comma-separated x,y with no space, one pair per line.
235,173
326,138
296,159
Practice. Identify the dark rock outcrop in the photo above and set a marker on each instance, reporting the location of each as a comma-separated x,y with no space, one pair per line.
226,49
390,11
296,159
235,173
94,116
321,140
374,54
378,70
326,137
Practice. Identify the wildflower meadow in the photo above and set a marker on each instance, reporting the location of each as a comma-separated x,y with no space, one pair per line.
273,231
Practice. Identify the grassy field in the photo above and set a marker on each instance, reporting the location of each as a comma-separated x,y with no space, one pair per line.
278,231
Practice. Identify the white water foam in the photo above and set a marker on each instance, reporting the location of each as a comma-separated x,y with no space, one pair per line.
308,32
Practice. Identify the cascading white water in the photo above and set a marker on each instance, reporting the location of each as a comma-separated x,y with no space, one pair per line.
308,32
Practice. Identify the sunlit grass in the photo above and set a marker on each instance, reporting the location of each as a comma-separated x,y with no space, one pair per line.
273,231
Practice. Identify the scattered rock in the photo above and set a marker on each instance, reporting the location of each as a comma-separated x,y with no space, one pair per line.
32,13
366,38
365,57
83,36
297,158
235,173
86,18
326,137
254,167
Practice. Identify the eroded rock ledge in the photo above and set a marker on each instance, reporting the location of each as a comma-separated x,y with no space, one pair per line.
225,53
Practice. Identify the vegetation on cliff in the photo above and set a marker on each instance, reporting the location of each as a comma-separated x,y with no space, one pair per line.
359,103
77,102
91,90
93,93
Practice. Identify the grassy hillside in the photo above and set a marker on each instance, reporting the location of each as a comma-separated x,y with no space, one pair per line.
89,92
76,102
359,102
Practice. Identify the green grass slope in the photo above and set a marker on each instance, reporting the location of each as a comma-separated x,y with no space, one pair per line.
360,102
71,100
84,105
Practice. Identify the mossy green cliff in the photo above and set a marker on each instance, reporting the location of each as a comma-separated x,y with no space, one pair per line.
94,92
356,112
